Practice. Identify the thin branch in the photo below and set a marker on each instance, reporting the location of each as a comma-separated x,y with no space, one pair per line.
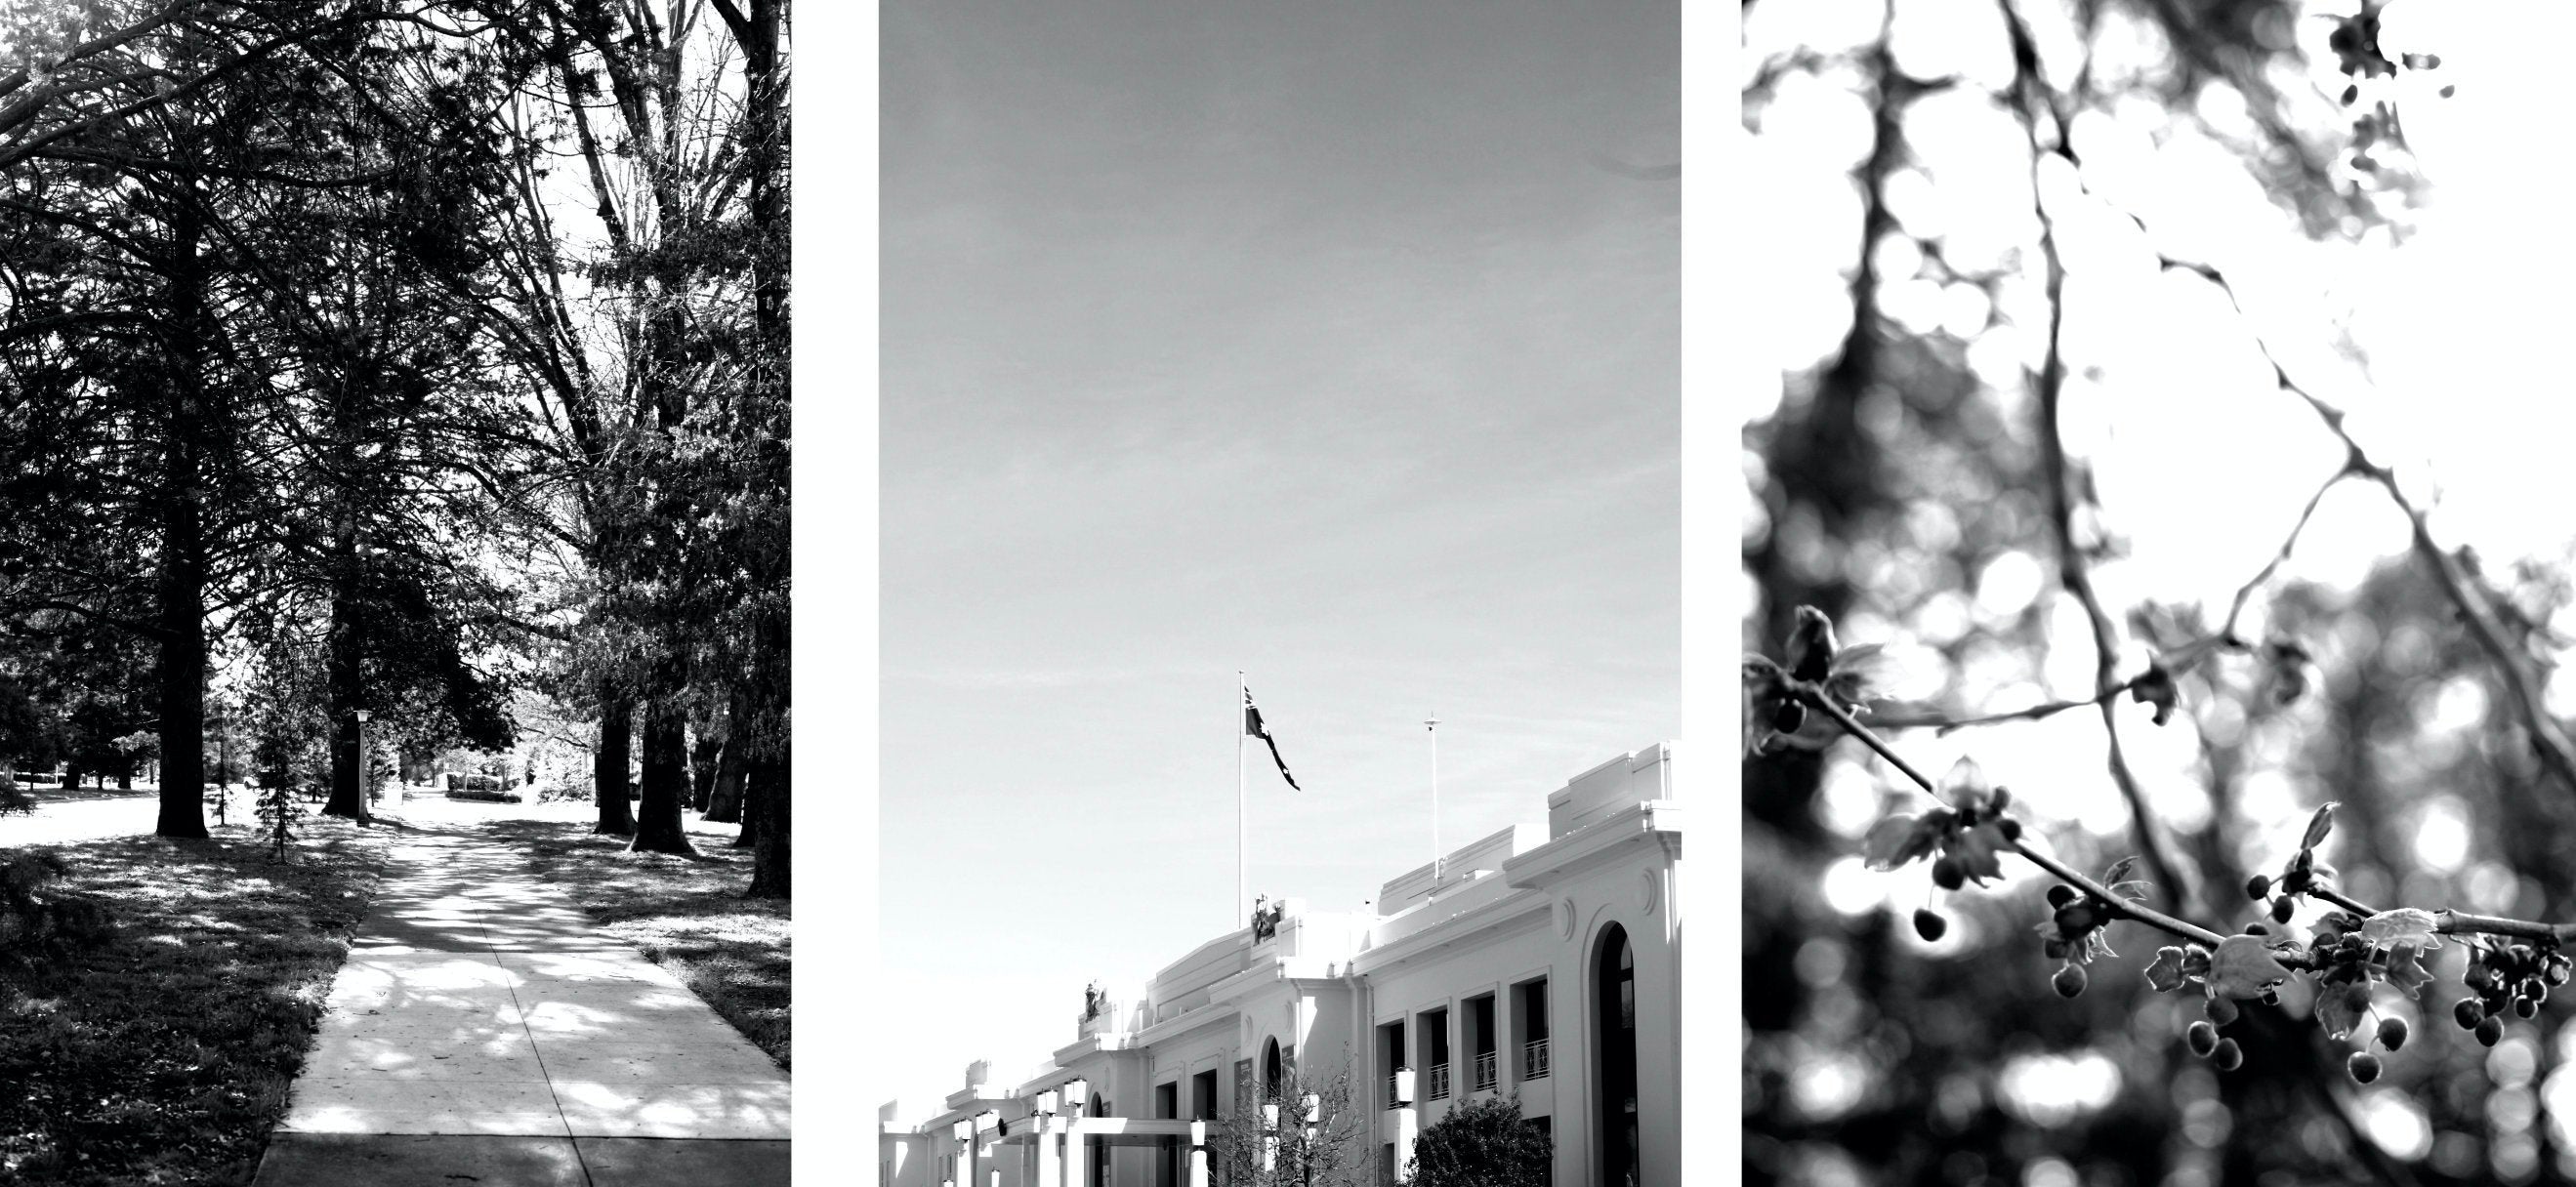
2548,737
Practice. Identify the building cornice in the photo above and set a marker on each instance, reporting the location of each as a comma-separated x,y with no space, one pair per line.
1503,916
1656,823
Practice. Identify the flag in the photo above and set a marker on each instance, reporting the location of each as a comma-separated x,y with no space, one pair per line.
1252,727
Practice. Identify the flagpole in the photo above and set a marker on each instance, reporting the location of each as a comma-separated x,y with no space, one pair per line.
1433,727
1242,725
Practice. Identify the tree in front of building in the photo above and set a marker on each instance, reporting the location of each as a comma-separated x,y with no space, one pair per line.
1303,1133
1484,1144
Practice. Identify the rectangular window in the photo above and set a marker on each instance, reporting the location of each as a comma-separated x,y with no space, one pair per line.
1390,1046
1486,1076
1529,1006
1435,1054
1167,1101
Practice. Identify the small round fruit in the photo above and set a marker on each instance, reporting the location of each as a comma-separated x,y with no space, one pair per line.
1789,717
2060,895
2057,948
2283,908
2228,1057
2468,1012
2258,887
2202,1038
1946,873
2490,1029
2075,919
2009,827
2363,1065
1929,924
2392,1033
2069,980
2478,978
2535,989
2524,1007
2223,1011
2256,928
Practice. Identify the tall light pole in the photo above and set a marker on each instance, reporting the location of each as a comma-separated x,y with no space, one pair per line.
1432,726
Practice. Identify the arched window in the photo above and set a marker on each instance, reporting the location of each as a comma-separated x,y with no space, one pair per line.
1614,1041
1274,1073
1098,1152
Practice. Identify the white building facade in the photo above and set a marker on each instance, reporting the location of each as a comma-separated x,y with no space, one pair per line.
1542,961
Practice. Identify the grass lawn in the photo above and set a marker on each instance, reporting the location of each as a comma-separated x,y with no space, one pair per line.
686,914
163,1053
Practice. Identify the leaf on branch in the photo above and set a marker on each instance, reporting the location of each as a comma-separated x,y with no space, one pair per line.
1979,851
2318,826
1860,675
2175,967
2406,970
2340,1008
2243,966
1966,787
1903,838
2402,925
2120,884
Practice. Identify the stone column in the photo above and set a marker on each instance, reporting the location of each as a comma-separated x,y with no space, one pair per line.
1049,1144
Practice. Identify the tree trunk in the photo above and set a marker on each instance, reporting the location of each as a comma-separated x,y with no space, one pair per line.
724,805
181,584
125,779
770,876
658,827
702,772
608,764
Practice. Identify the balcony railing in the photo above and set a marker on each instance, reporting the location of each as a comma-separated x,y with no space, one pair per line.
1485,1075
1439,1089
1534,1059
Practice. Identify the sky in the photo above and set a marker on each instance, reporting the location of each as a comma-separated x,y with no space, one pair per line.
1335,344
2204,480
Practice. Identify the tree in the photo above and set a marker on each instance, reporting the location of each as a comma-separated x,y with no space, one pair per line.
1924,449
1308,1133
1484,1144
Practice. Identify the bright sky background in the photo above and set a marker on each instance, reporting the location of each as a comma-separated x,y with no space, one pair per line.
2460,320
1338,344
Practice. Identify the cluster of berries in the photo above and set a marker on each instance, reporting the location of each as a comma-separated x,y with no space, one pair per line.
2297,880
2517,978
2068,933
2202,1035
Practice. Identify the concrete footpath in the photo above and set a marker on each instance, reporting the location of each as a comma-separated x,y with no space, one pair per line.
483,1032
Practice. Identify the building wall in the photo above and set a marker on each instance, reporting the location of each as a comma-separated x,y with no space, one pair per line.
1524,904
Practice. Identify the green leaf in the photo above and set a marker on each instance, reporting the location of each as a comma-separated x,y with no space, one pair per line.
2340,1007
1979,851
2401,925
2243,966
2165,972
1897,840
1965,786
2406,970
2318,826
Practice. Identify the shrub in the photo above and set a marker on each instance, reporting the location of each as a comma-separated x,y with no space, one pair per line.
494,797
1485,1144
35,920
